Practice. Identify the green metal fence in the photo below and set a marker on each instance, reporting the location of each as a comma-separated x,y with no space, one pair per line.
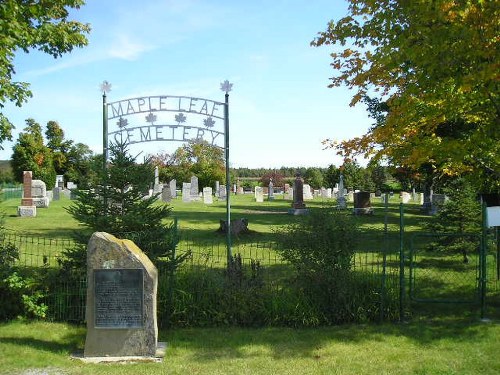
445,268
380,282
9,192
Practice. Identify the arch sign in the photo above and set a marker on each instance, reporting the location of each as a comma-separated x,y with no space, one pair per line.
166,118
169,118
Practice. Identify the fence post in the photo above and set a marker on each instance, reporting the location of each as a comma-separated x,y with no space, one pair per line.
482,260
171,276
384,259
401,263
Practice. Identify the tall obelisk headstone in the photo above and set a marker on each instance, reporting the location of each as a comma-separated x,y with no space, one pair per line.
27,207
121,299
298,206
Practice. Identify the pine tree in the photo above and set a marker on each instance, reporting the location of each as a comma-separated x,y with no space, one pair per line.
121,206
459,215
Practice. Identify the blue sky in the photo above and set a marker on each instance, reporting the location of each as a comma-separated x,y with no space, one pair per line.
280,106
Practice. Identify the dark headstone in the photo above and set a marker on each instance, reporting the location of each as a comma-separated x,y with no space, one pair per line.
362,204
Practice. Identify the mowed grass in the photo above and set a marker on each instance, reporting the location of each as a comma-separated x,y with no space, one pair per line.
453,343
200,221
444,347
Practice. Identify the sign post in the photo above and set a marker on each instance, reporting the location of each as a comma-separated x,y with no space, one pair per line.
226,87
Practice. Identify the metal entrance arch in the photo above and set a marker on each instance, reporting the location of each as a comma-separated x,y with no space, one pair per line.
170,118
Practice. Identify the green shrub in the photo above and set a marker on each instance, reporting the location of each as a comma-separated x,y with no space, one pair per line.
321,244
21,294
217,297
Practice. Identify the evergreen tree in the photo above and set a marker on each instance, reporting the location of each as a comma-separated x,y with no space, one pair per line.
460,214
121,207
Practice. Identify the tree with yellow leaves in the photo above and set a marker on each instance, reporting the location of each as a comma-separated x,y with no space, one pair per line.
435,64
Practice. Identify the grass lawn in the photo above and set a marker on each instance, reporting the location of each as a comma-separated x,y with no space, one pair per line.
201,221
446,344
442,347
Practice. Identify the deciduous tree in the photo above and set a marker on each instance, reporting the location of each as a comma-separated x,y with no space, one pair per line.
435,65
33,25
31,154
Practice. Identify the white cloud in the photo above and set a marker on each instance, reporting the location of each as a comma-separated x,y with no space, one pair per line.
126,48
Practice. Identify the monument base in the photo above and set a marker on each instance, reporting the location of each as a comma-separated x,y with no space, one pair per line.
41,202
362,211
26,211
158,357
298,211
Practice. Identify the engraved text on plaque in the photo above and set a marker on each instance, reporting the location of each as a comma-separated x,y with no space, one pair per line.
118,298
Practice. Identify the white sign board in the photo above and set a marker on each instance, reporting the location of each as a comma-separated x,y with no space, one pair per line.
493,216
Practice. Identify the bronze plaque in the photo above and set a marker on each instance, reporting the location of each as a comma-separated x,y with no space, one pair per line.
118,298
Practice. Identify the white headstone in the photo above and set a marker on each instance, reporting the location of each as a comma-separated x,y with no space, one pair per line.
173,188
166,194
405,197
207,195
307,192
186,192
222,192
157,176
217,188
350,196
259,194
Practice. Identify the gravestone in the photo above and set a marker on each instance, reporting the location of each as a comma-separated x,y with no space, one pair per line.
341,202
186,192
157,188
60,181
173,188
121,299
298,206
259,194
56,194
289,194
166,194
39,194
238,226
307,192
222,192
239,190
217,188
329,193
405,197
350,196
194,191
207,195
362,204
71,185
27,208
